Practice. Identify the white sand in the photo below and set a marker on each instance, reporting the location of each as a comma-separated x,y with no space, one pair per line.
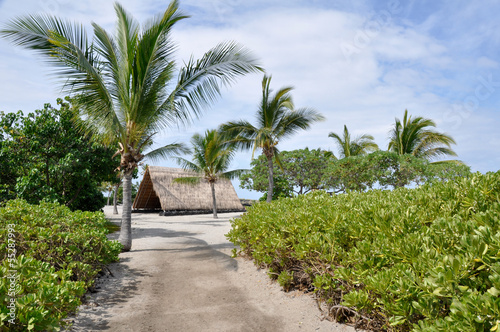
179,276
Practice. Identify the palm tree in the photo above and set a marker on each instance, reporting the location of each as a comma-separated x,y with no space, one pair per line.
211,158
361,145
166,151
414,137
277,119
124,84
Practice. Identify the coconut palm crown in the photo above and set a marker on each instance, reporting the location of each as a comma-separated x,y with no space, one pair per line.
212,156
414,136
358,146
127,85
277,119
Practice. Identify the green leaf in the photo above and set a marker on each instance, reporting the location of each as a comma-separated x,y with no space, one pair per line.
438,291
397,320
483,248
31,324
493,291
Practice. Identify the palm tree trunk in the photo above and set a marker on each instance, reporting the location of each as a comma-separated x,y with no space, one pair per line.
115,198
125,237
270,177
212,185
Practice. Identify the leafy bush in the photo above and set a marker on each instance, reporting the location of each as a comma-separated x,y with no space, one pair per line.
424,259
44,156
55,255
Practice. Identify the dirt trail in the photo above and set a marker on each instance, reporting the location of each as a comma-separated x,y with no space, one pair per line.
179,276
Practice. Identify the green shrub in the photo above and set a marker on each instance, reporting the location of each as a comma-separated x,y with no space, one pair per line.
424,259
55,255
285,279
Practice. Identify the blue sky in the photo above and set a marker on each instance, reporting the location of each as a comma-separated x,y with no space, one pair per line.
360,63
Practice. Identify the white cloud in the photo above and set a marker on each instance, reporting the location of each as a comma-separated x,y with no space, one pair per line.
421,59
487,63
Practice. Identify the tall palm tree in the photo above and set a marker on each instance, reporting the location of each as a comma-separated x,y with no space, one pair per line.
277,119
125,84
413,136
360,145
212,155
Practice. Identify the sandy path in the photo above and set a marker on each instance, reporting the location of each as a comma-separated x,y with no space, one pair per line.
180,276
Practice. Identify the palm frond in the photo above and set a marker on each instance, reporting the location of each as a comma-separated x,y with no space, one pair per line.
168,151
414,136
234,174
153,68
65,46
277,158
363,144
330,154
273,106
127,35
347,147
200,81
436,152
188,165
35,32
341,148
105,46
242,133
300,119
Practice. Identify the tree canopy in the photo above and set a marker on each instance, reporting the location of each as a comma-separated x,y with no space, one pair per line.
300,172
305,170
387,170
44,157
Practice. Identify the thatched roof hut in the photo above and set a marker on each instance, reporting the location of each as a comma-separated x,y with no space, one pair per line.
158,191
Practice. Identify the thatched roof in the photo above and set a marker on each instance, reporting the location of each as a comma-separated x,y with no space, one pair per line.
158,191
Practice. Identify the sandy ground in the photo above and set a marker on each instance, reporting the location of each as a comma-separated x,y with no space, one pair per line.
179,276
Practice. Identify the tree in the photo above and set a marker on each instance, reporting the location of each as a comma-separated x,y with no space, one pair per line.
124,84
46,158
107,187
360,145
256,179
387,170
414,137
277,119
301,171
9,169
212,155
